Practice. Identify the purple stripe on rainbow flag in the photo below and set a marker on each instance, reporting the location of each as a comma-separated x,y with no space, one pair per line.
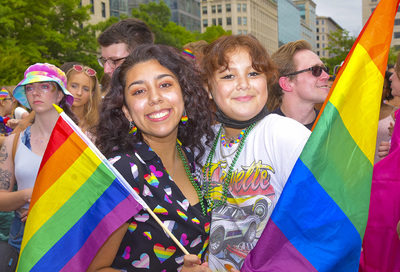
297,242
289,260
77,236
118,216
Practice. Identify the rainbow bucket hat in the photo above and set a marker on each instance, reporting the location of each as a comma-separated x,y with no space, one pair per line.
41,72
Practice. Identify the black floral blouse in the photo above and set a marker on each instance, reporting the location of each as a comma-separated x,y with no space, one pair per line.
145,246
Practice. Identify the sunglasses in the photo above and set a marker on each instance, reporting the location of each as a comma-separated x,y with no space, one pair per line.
88,71
112,62
315,71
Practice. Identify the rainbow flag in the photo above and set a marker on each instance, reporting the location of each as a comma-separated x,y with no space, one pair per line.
320,218
79,199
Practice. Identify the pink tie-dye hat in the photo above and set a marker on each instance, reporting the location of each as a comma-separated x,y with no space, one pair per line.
41,72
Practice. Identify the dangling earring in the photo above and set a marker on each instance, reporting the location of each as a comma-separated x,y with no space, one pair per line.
184,117
132,128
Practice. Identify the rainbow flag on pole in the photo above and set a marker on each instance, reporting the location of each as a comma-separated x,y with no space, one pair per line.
320,218
79,199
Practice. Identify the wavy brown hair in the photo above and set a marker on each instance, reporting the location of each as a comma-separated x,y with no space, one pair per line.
113,128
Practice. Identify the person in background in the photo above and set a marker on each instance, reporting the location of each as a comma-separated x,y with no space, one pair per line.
83,84
302,84
395,101
194,52
21,153
6,106
151,123
18,112
253,153
386,115
119,40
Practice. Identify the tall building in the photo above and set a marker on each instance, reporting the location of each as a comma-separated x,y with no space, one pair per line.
325,26
288,22
100,10
119,7
256,17
368,7
308,20
185,13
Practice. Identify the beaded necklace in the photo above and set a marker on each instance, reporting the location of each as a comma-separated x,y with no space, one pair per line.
207,169
232,140
190,176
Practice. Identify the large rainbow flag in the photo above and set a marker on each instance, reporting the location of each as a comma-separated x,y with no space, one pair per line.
79,199
320,218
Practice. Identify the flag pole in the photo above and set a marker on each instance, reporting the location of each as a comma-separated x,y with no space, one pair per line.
118,175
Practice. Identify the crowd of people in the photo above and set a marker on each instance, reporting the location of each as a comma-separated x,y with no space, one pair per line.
207,135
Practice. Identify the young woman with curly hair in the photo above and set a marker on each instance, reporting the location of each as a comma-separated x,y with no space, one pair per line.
152,121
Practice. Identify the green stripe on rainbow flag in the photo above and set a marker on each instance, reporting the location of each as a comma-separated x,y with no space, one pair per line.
349,196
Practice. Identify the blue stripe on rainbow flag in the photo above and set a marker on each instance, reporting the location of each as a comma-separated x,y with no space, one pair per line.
336,233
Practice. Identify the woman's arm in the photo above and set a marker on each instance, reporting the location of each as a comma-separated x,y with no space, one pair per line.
9,200
106,255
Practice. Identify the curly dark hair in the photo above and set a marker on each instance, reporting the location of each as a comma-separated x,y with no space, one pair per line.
113,128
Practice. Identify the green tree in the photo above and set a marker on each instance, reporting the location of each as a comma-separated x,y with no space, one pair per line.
43,31
158,15
213,32
339,45
393,55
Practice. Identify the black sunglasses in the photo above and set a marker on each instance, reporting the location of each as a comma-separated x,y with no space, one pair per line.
315,71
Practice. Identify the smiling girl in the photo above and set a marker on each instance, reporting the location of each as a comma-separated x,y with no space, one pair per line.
151,122
253,152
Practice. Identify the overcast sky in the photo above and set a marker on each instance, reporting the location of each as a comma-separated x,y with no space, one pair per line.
347,13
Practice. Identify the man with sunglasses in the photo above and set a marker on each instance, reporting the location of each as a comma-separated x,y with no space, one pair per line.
119,40
303,83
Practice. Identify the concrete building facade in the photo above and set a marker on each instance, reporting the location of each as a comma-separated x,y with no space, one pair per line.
308,20
256,17
288,22
185,13
325,26
100,10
